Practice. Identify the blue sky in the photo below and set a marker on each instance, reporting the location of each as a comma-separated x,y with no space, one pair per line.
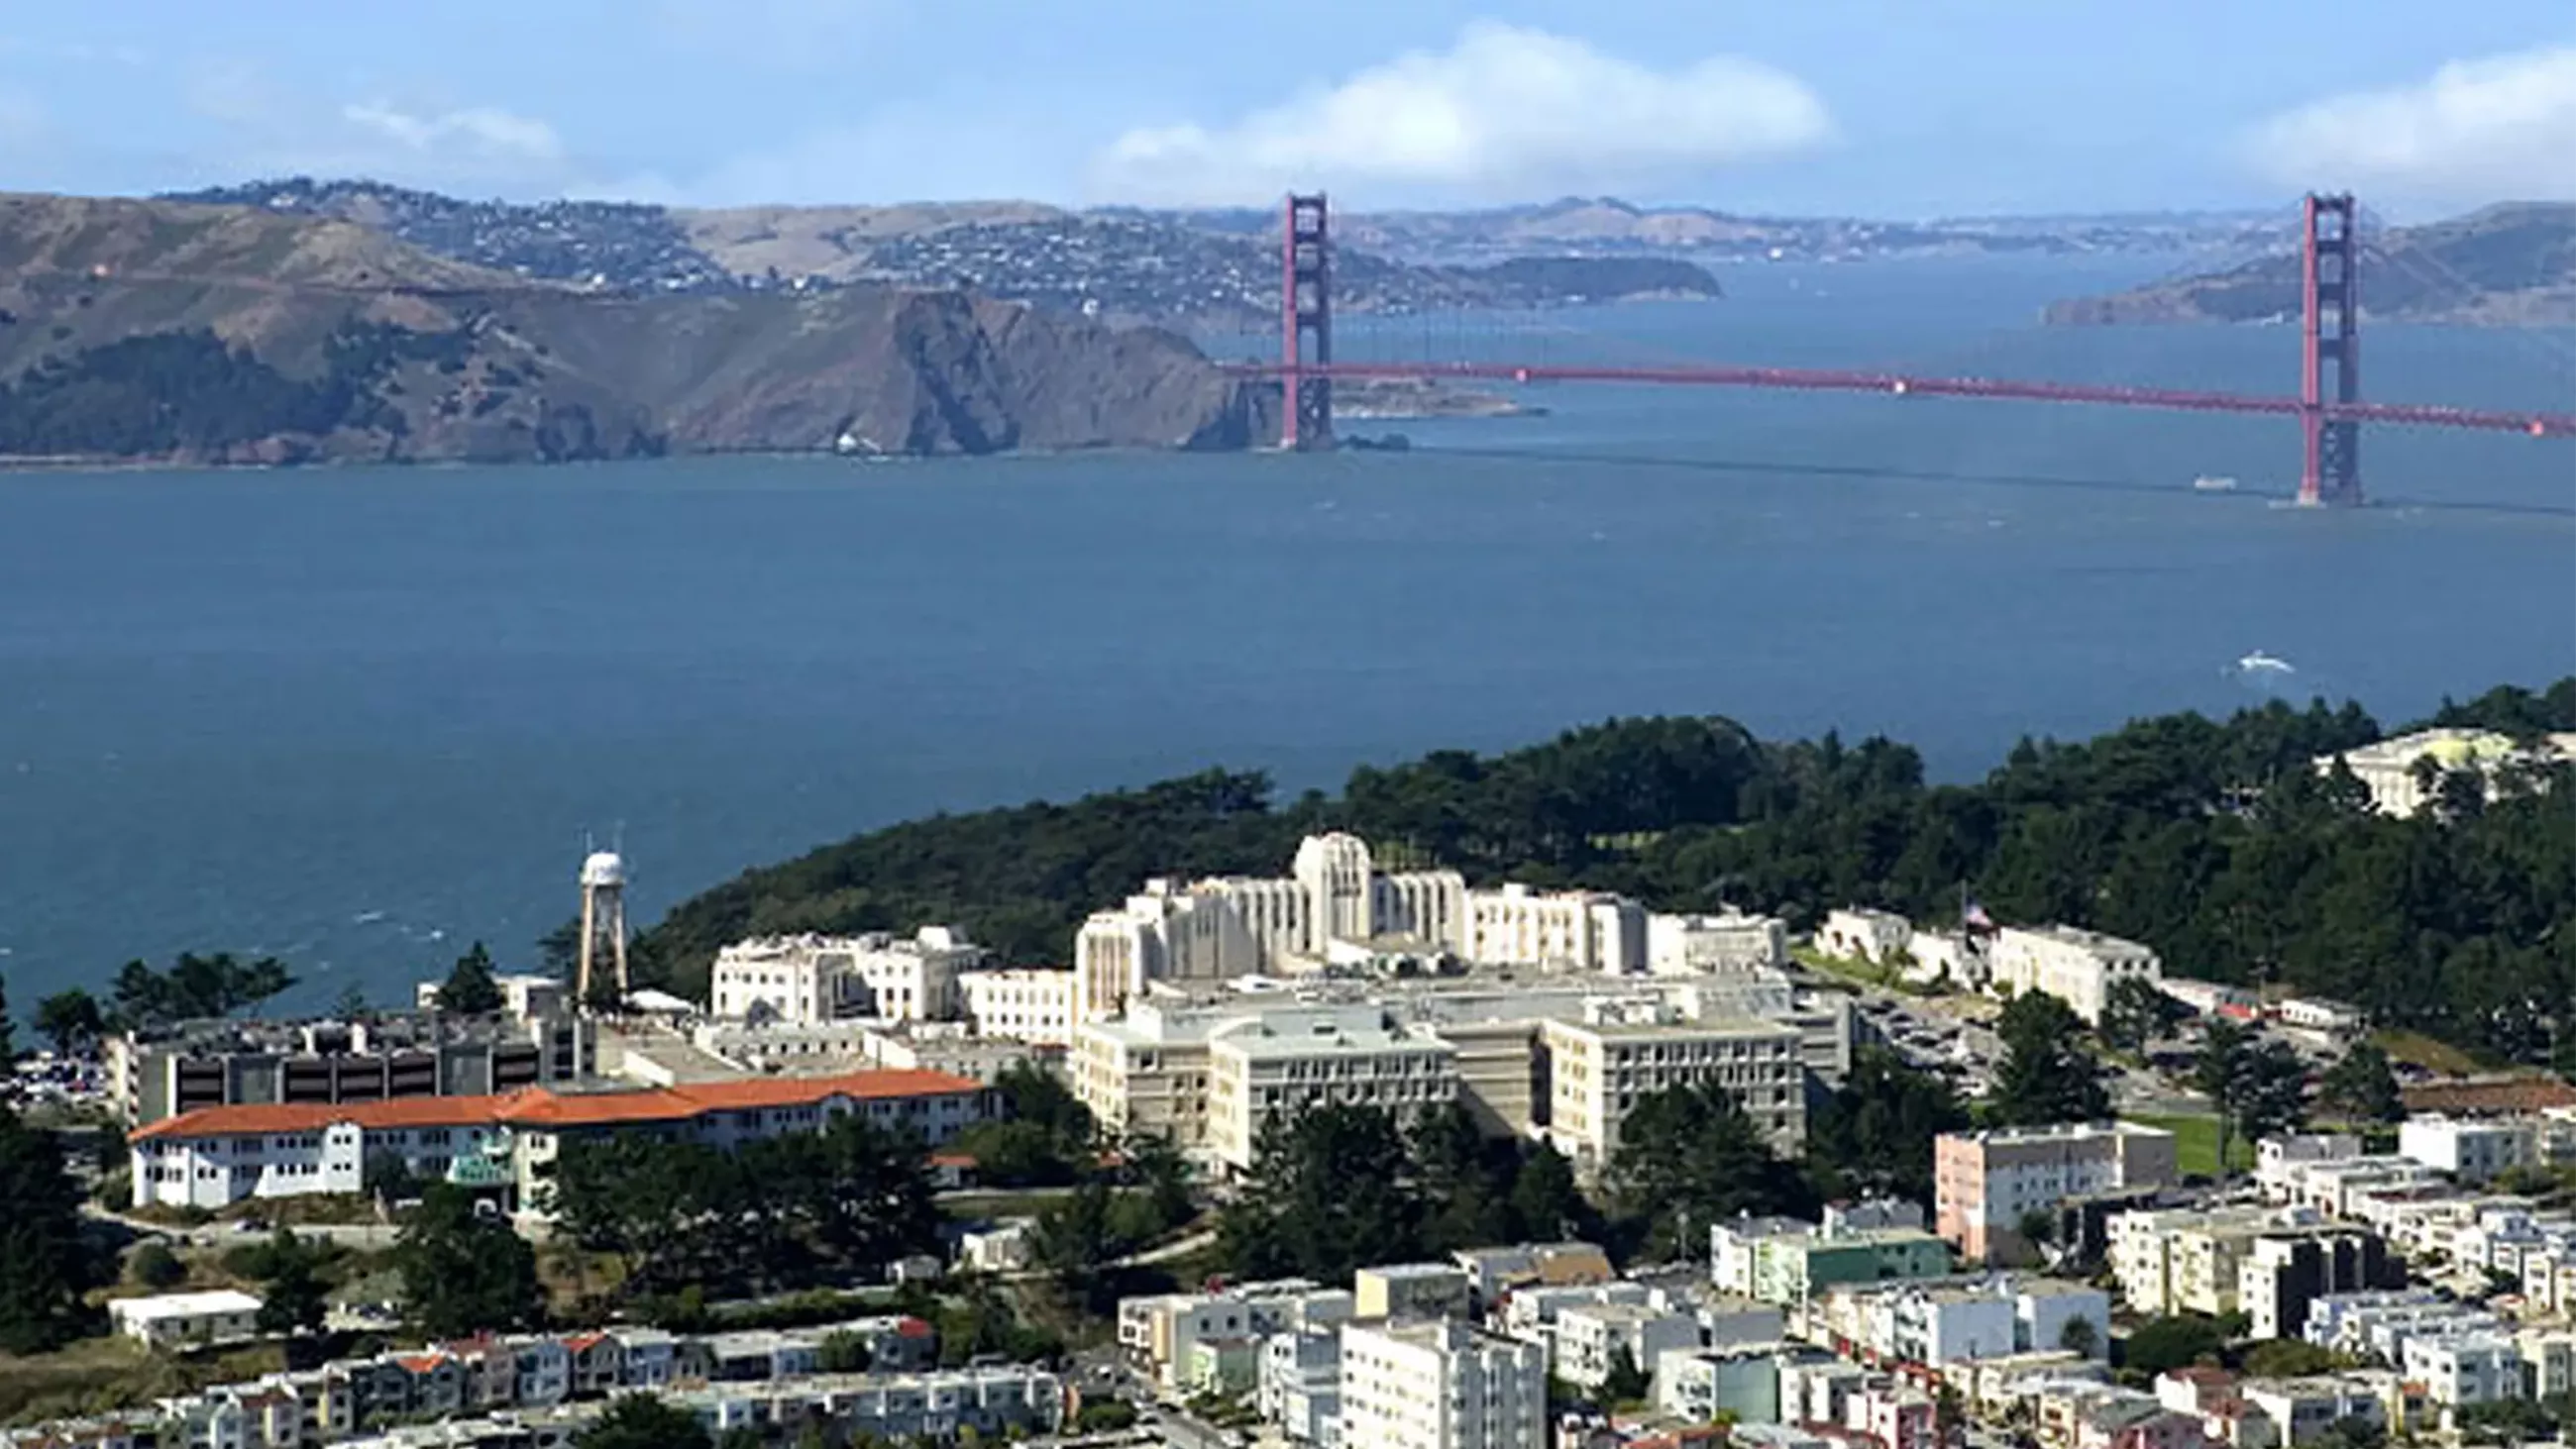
1876,107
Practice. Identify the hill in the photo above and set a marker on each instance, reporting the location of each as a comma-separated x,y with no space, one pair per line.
192,332
1212,269
2216,842
2512,265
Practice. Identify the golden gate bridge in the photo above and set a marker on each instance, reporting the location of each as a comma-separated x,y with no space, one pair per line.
2328,404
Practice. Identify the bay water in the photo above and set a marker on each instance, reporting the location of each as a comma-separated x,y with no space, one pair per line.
359,717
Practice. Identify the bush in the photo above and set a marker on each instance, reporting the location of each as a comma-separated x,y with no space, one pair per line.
1105,1416
153,1265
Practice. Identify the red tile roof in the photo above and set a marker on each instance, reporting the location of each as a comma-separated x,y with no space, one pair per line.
543,1107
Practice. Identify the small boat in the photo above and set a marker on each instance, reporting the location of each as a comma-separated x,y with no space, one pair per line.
2205,483
2259,662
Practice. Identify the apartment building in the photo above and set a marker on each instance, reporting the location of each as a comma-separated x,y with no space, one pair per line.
1412,1290
1033,1006
1596,1073
506,1144
1957,1320
1441,1385
1159,1335
811,978
2479,1149
1983,1182
1591,1337
191,1065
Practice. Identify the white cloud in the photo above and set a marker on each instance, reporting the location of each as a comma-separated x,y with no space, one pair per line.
2475,130
481,130
1505,112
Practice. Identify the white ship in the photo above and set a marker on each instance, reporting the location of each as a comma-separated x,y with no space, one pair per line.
2259,662
2205,483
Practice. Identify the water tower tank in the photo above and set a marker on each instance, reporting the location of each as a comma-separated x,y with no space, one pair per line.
603,868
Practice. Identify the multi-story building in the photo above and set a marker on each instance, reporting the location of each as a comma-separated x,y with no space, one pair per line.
2404,774
1411,1290
2300,1411
1788,1261
1298,1385
1715,945
1515,925
1591,1337
1159,1334
1983,1182
2478,1149
2280,1274
1596,1073
1963,1319
813,978
1441,1385
2190,1260
170,1070
2076,966
1281,1063
1696,1385
506,1144
1034,1006
1858,933
1492,1272
1212,930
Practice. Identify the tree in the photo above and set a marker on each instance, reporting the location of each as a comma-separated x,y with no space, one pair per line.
1689,1157
2080,1336
642,1421
152,1265
388,1175
71,1020
470,989
195,986
2363,1086
2258,1086
465,1273
1547,1205
1076,1239
1326,1195
2290,1358
44,1265
2171,1342
1625,1383
2046,1075
844,1352
1874,1135
2134,1012
291,1291
352,1003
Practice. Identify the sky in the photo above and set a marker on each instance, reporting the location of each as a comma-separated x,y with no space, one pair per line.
1894,108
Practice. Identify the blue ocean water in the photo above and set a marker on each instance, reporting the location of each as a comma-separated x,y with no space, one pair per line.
359,717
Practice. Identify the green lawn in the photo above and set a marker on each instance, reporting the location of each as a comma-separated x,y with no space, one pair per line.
2196,1144
2425,1052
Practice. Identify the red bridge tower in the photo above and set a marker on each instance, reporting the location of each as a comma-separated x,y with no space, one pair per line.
1306,325
2329,341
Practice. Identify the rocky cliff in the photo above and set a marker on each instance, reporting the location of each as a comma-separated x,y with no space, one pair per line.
233,334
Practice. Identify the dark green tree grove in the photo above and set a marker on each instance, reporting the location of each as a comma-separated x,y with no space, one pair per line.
2046,1074
464,1272
44,1263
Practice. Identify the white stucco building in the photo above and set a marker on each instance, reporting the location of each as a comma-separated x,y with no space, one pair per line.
1597,1072
187,1320
2074,965
1034,1006
2404,773
1284,1062
1722,944
809,978
1441,1385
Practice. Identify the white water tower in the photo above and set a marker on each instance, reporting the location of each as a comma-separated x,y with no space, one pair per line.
603,922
